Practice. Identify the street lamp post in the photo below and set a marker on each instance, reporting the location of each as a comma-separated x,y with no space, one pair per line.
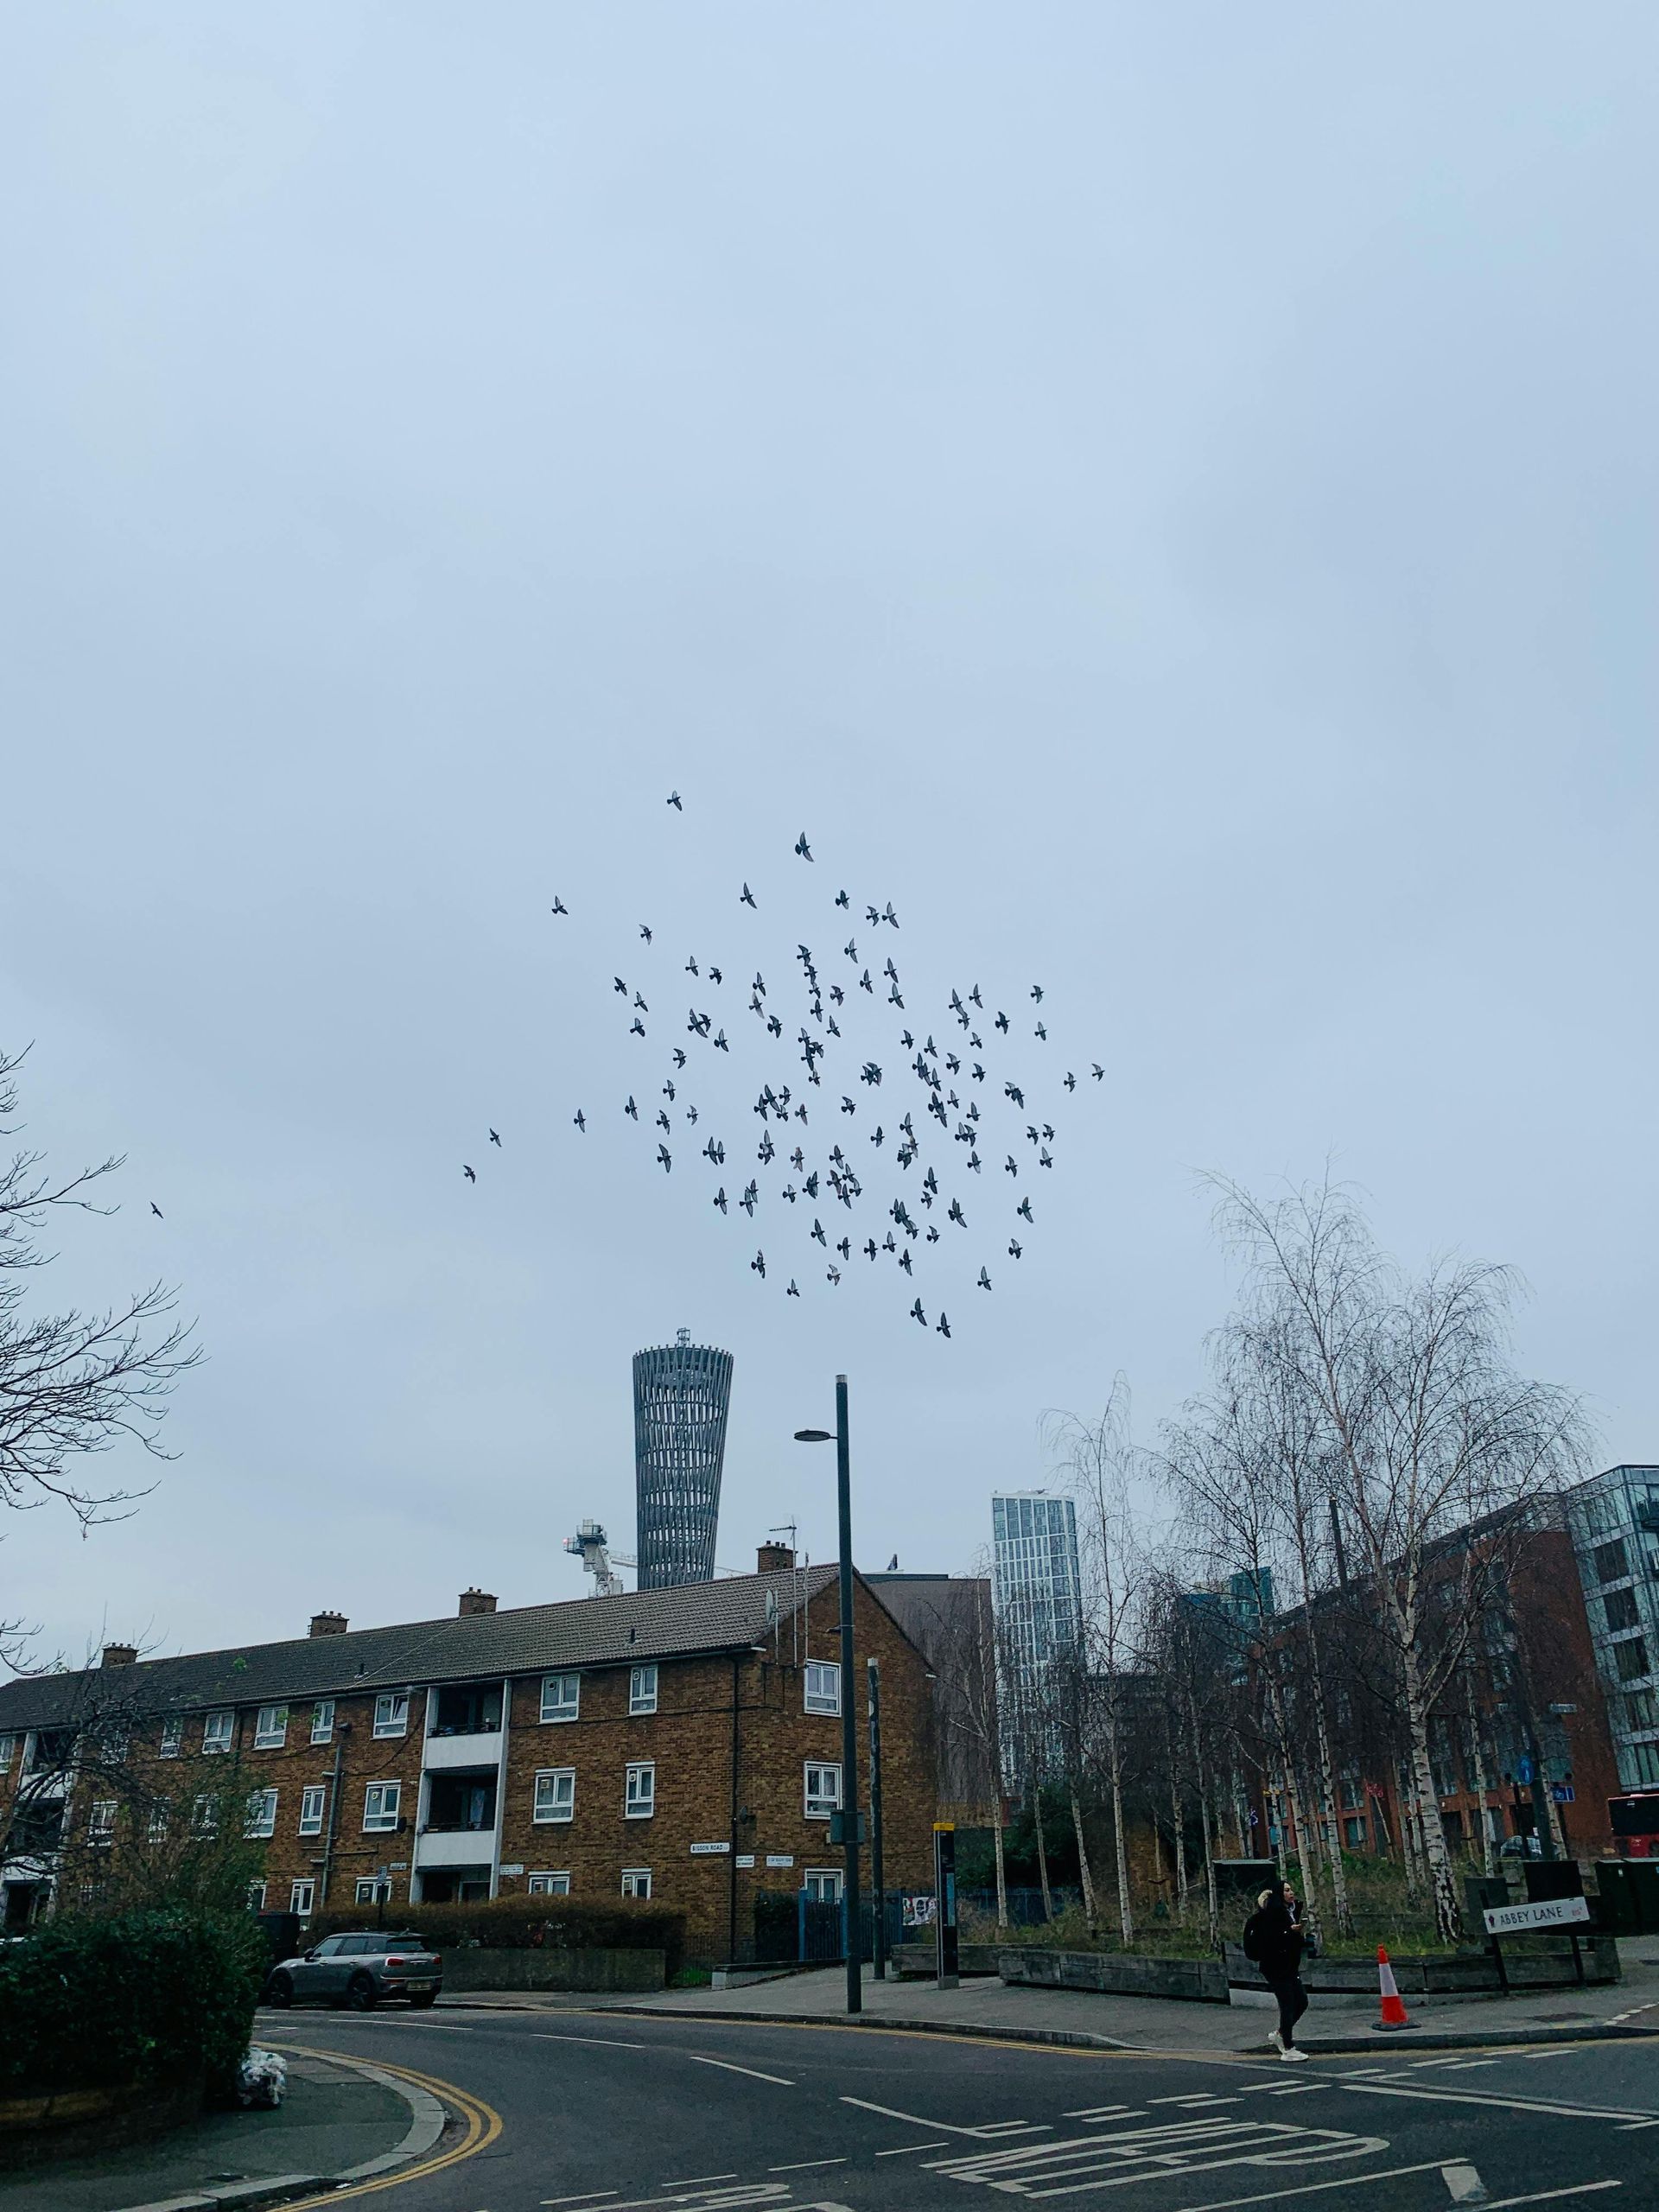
848,1710
878,1894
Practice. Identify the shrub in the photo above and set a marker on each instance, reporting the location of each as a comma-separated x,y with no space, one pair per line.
87,2003
529,1924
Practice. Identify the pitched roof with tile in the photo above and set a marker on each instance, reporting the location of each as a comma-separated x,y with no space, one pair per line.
679,1622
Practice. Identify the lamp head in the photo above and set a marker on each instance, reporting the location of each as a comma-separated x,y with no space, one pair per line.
815,1436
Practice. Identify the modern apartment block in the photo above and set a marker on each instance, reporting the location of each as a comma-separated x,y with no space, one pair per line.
1614,1523
1036,1595
682,1744
682,1394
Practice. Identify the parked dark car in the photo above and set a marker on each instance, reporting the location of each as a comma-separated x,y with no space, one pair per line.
358,1970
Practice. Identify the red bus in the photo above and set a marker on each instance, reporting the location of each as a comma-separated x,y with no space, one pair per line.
1635,1823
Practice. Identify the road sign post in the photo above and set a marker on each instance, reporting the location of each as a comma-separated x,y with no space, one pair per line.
945,1953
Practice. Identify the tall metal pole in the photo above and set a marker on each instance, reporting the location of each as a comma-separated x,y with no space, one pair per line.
849,1714
878,1893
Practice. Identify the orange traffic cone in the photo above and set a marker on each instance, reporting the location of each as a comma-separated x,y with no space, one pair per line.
1394,2005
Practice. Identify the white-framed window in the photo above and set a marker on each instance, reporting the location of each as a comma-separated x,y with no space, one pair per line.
822,1790
311,1804
8,1752
302,1897
642,1689
271,1728
391,1714
204,1816
556,1794
322,1721
822,1884
636,1881
219,1732
548,1885
380,1802
261,1814
256,1896
822,1686
100,1821
173,1735
640,1798
561,1697
374,1889
161,1814
114,1741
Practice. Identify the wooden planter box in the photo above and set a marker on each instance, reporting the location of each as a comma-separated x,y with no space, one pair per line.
1535,1962
1116,1973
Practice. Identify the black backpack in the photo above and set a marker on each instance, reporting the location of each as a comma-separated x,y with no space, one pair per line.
1251,1939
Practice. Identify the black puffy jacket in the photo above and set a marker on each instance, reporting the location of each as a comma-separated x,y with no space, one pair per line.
1278,1942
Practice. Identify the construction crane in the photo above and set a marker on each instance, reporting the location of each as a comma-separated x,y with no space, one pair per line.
592,1547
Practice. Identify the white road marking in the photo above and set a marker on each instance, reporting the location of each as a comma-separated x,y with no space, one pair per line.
1507,2104
1204,2097
1464,2184
605,2042
800,2165
1547,2196
990,2132
1102,2112
583,2197
694,2181
1311,2188
905,2149
1299,2089
1197,2144
725,2065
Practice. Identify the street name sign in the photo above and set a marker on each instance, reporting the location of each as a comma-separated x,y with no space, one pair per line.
1554,1912
709,1850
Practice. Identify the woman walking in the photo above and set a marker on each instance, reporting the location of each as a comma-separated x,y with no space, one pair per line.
1273,1939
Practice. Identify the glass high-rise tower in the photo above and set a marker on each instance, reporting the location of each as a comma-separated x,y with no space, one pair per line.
1037,1599
681,1392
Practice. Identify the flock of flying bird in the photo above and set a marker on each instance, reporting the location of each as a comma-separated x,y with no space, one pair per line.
956,1087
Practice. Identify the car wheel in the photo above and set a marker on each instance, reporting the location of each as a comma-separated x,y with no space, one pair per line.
360,1993
424,1997
279,1991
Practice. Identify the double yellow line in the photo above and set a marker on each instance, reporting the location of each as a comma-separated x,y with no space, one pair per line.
483,2124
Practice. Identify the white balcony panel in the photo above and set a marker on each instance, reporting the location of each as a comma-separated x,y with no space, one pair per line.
442,1752
469,1847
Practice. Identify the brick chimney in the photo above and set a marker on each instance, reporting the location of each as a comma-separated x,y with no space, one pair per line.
119,1655
327,1624
476,1601
773,1558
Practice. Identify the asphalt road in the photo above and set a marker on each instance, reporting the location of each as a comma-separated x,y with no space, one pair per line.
607,2113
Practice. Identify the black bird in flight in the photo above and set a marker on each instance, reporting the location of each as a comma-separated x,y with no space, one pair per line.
865,984
845,1248
1037,993
1013,1090
975,1162
1031,1131
636,1028
837,994
958,1215
984,1280
691,1115
872,1074
953,1063
1011,1165
874,916
679,1057
932,1234
1001,1023
493,1138
617,984
916,1314
775,1026
891,972
817,1230
766,1150
759,983
691,968
714,975
156,1210
832,1274
1070,1080
979,1072
793,1292
674,801
1014,1248
875,1136
870,1250
890,915
1041,1033
668,1091
746,898
758,1265
841,900
851,950
904,1260
645,932
631,1110
944,1326
582,1119
720,1045
803,847
665,1124
640,1003
1097,1072
906,1040
720,1198
1024,1209
664,1155
1045,1157
973,999
847,1105
559,907
1048,1131
747,1203
797,1160
468,1173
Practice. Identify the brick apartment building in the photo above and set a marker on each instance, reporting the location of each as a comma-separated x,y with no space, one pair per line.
683,1744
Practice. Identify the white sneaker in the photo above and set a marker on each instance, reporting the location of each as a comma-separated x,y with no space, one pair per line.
1292,2055
1275,2041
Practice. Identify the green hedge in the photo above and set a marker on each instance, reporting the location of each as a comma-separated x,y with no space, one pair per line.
528,1924
140,1996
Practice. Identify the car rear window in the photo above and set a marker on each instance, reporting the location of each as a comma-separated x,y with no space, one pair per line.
398,1944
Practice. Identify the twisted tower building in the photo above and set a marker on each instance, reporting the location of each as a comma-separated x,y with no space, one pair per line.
681,1394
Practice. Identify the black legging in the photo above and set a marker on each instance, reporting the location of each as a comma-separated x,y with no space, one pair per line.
1292,2002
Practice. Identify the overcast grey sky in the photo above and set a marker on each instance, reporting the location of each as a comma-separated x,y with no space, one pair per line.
1164,492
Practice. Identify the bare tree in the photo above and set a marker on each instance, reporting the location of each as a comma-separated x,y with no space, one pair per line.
1100,1462
960,1643
1432,1435
72,1383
